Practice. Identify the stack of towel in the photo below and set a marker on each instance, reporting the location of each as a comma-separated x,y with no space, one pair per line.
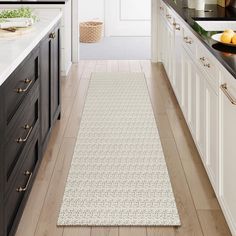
15,22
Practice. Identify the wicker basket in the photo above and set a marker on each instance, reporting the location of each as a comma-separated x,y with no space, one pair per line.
90,32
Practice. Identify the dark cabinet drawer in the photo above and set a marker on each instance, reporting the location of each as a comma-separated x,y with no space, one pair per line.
19,132
23,182
20,83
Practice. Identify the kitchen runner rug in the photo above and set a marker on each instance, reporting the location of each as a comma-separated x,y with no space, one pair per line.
118,174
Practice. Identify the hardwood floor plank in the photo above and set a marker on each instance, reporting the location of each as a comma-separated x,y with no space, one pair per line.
199,210
160,80
101,66
90,67
190,224
132,231
123,66
104,231
160,231
77,231
135,66
112,66
213,223
77,109
70,84
47,224
201,189
163,126
146,67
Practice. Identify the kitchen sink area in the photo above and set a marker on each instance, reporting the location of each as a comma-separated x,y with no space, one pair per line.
216,25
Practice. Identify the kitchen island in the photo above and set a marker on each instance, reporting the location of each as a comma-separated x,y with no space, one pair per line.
29,107
57,6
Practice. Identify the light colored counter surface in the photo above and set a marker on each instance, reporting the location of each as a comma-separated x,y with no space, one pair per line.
14,51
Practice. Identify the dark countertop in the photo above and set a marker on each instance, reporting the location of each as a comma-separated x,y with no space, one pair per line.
33,2
225,54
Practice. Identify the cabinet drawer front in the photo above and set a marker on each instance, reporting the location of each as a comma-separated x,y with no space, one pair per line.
189,42
21,186
206,62
19,133
20,83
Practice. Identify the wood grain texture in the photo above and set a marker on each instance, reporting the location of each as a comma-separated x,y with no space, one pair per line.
104,231
198,208
77,231
132,231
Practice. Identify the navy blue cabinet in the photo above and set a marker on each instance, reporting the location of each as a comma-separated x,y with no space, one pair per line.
29,107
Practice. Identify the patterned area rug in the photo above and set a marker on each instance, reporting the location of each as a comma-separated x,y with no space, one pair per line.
118,174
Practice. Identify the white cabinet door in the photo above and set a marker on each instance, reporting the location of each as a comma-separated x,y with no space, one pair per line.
177,72
185,77
163,35
200,112
212,135
228,147
128,17
189,91
192,98
170,57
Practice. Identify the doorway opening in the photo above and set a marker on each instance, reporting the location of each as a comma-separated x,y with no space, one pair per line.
126,33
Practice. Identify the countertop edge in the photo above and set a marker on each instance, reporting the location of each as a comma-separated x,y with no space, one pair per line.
26,52
208,47
34,3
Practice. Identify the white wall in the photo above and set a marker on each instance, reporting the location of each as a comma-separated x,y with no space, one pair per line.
91,10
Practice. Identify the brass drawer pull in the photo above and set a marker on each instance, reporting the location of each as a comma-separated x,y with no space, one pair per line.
52,35
23,140
168,16
227,94
23,90
23,189
177,26
202,58
188,40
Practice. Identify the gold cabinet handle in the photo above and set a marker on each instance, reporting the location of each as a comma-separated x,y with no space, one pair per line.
208,65
168,16
23,189
52,35
176,26
188,40
225,90
23,90
202,58
23,140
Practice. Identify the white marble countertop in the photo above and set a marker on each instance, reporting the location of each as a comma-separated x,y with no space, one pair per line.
14,51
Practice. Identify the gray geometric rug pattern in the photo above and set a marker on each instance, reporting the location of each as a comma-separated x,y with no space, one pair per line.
118,174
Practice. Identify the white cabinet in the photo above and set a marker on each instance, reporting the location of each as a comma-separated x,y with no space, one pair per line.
212,135
228,147
170,56
209,109
200,112
177,72
185,78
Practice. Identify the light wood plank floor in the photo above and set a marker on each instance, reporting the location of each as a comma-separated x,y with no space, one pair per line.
198,207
